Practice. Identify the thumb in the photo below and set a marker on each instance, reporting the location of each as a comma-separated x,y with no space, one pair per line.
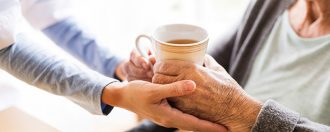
175,89
211,63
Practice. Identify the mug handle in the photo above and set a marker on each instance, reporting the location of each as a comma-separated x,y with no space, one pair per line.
138,44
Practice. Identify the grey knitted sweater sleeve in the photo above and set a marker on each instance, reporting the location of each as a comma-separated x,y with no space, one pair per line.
274,117
36,65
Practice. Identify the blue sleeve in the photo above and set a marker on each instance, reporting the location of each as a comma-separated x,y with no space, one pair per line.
36,65
68,35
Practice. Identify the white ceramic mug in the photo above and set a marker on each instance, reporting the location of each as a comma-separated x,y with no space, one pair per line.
164,48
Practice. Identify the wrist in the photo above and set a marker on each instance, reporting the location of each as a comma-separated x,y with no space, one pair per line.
252,112
246,115
112,94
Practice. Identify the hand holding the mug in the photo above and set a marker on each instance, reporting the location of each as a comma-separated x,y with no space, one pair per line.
176,42
217,98
138,67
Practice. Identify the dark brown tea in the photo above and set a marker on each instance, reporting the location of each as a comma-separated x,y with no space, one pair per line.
182,41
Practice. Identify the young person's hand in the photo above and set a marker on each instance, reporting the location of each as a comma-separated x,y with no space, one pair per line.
149,100
138,67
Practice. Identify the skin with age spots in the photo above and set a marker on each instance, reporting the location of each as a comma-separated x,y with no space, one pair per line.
217,98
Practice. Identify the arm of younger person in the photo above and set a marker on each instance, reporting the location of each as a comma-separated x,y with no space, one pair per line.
71,37
36,65
54,18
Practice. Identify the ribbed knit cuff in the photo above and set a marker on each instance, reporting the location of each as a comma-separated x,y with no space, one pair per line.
274,117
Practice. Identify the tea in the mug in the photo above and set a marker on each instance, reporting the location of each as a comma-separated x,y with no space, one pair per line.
182,41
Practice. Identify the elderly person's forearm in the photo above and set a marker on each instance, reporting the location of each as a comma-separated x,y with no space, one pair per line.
218,98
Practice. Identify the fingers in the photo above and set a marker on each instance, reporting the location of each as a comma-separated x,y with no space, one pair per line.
188,122
132,78
171,67
138,67
163,79
211,63
133,70
175,89
138,60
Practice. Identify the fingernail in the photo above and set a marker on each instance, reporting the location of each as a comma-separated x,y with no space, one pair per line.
189,85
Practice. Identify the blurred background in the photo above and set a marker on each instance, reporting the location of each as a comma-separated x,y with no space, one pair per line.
115,23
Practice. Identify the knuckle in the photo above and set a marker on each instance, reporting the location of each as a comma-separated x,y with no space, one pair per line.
141,72
136,71
163,79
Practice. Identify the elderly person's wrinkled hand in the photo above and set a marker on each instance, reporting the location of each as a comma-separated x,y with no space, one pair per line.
217,98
